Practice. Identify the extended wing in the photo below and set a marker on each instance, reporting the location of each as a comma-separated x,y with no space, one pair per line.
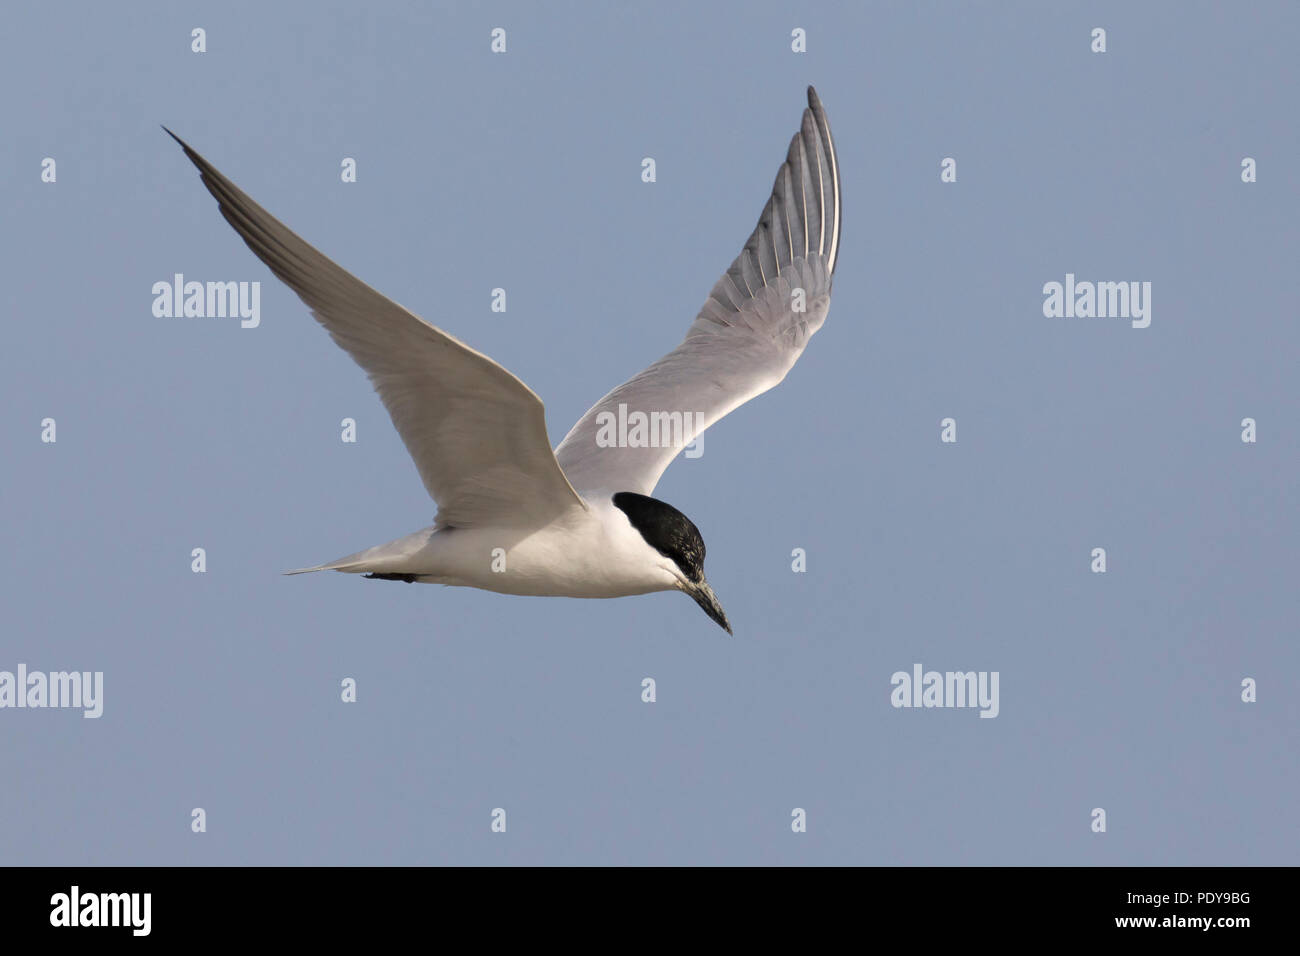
750,332
477,433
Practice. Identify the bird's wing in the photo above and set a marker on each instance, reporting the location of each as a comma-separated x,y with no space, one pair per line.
752,329
477,434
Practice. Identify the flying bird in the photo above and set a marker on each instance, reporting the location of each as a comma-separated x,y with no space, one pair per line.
514,516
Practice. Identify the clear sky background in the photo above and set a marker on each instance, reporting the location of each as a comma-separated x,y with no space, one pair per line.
222,690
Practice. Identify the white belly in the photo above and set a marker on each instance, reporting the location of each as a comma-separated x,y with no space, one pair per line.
593,554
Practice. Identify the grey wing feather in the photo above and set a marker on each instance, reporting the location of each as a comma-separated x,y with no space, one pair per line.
751,330
477,434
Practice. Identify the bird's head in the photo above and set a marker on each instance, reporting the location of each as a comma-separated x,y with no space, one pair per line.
675,537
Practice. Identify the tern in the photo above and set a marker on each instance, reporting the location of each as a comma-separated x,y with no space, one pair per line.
513,516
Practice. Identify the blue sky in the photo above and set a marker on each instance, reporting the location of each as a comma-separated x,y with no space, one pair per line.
1119,690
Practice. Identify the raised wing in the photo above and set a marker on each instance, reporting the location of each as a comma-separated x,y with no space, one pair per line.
750,332
477,434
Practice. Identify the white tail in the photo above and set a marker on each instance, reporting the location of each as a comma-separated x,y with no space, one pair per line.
382,558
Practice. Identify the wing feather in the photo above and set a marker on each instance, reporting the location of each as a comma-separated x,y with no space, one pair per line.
747,336
477,433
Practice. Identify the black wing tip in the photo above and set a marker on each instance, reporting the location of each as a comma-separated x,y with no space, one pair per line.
194,157
815,104
816,108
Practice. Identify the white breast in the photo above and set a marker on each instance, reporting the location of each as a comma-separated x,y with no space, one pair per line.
591,554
